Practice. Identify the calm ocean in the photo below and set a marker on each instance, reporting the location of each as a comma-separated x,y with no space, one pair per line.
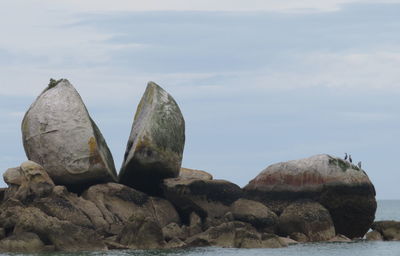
387,210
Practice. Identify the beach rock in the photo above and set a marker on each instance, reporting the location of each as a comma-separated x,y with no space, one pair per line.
254,213
155,146
390,230
341,187
69,207
59,134
299,237
63,235
374,236
308,218
22,242
117,202
28,181
234,235
191,174
173,230
175,243
208,198
142,232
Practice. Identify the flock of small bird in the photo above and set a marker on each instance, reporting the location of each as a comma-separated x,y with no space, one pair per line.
348,157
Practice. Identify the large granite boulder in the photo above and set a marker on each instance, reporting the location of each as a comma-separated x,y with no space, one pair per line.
255,213
341,187
118,202
155,146
208,198
308,218
59,134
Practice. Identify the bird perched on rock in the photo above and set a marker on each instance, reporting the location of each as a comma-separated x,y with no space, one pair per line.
345,156
350,159
359,164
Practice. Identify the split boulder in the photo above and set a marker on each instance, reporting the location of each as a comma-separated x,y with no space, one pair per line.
155,146
59,134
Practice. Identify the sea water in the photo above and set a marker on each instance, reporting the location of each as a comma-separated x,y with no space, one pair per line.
387,210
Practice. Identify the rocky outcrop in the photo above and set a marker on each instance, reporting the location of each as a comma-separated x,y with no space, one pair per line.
118,202
254,213
142,232
65,221
235,235
59,134
389,230
208,198
341,187
63,235
308,218
155,146
22,242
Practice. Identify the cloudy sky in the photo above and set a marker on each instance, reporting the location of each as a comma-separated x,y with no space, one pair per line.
258,81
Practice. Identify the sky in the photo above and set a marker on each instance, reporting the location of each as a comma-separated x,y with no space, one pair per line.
258,81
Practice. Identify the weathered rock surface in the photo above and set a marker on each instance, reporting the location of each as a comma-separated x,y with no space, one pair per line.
308,218
118,202
374,236
254,213
235,235
142,232
59,134
22,242
27,181
390,230
155,146
99,219
342,188
191,174
208,198
63,235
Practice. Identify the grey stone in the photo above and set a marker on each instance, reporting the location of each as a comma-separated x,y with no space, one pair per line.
254,213
22,242
390,230
208,198
59,134
342,188
141,233
155,146
191,174
309,218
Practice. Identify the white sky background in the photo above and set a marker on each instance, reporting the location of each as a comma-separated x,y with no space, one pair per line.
259,82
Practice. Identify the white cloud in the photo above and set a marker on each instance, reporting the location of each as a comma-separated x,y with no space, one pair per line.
376,69
207,5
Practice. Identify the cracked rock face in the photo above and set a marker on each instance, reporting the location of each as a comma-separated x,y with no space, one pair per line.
341,187
59,134
155,146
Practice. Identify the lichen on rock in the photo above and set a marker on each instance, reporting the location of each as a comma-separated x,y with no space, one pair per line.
155,146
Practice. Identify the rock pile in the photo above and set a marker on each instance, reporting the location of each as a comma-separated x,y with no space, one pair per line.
67,197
